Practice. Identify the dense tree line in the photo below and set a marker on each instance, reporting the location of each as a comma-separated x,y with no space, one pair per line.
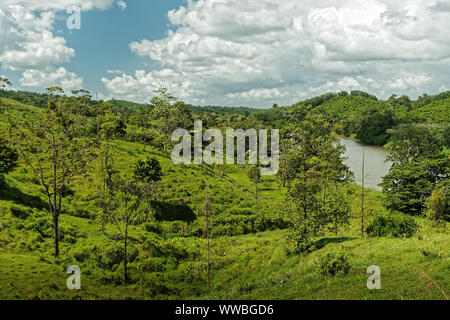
420,174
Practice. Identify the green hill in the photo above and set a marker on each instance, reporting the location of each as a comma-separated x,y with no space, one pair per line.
435,112
168,253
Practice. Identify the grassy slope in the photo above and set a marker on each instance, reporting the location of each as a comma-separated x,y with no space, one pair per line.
435,112
349,106
342,108
252,266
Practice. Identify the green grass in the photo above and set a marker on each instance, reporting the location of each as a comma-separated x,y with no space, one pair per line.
172,264
256,267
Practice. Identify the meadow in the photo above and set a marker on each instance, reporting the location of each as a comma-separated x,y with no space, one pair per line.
167,257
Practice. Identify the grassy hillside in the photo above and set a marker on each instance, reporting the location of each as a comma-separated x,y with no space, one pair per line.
350,106
435,112
168,252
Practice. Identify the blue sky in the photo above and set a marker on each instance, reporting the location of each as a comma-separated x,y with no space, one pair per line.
228,52
102,42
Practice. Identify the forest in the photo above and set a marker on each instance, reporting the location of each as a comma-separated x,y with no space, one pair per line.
91,183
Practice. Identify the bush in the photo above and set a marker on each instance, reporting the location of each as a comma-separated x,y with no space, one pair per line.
109,256
334,263
19,212
437,205
152,264
40,223
69,233
241,211
234,225
430,253
154,227
80,254
393,224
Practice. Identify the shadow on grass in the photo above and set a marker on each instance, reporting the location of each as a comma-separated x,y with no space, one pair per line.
166,211
319,244
9,193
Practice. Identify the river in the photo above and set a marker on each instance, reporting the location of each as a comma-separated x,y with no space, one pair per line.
375,165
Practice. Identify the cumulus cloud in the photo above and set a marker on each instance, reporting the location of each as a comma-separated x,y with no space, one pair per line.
121,4
257,94
28,42
59,77
45,5
223,52
407,81
141,86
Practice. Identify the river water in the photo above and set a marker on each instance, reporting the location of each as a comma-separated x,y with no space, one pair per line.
375,162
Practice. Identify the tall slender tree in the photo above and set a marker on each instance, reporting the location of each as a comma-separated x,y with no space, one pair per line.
206,208
363,173
122,205
169,114
315,160
54,148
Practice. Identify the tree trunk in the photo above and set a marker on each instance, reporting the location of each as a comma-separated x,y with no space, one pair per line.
207,235
362,195
55,210
56,234
125,238
256,193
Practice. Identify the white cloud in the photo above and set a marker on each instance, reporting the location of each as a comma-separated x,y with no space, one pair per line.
45,5
140,87
121,4
57,77
28,42
225,51
407,80
114,72
257,94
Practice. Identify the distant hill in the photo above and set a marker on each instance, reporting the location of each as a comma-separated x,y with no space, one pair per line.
369,119
30,98
125,104
340,106
223,110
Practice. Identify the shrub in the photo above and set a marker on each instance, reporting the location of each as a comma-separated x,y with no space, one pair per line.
233,225
109,256
436,205
80,254
393,224
157,264
154,227
69,233
241,211
430,253
19,212
39,223
334,263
